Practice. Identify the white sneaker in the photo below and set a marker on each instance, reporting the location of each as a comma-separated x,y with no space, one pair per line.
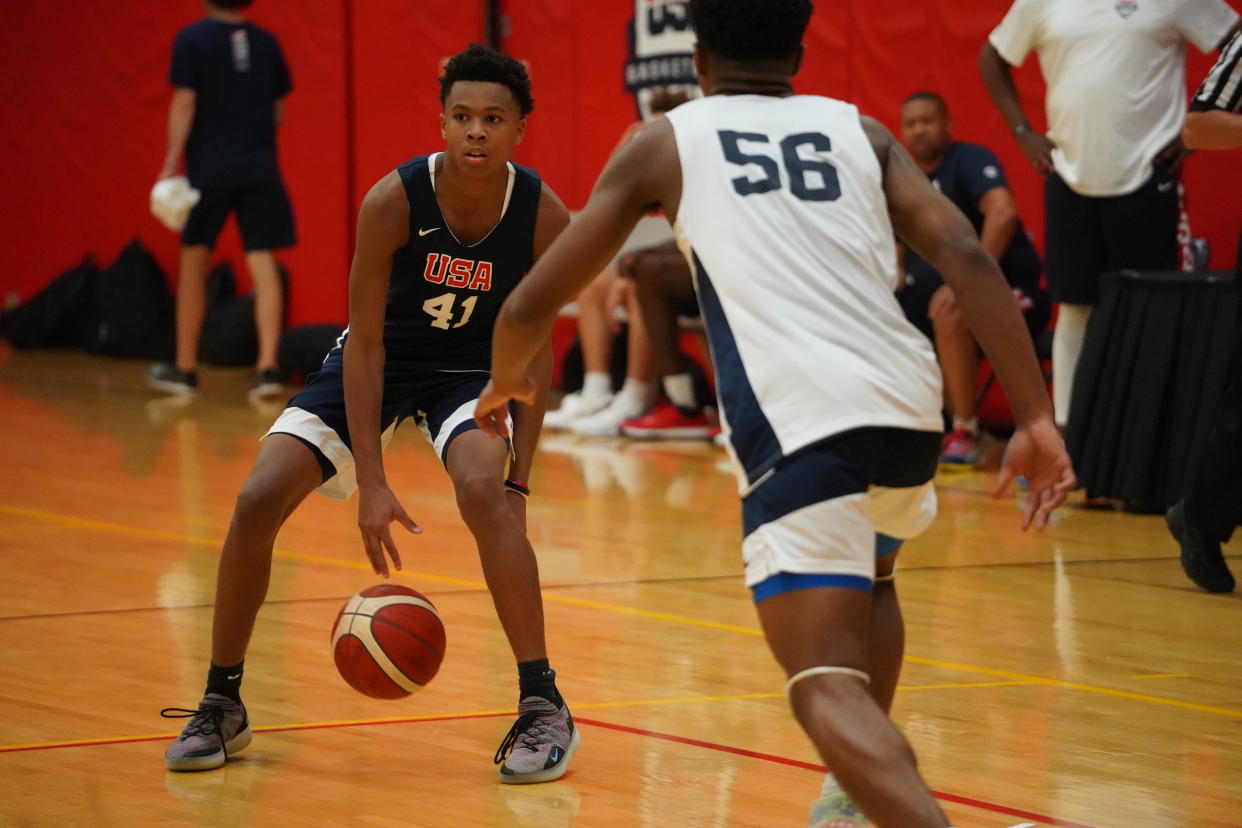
574,406
607,423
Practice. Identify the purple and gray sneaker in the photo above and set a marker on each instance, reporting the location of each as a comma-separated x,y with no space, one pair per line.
539,745
217,729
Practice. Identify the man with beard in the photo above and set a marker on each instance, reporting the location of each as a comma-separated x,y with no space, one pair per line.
971,177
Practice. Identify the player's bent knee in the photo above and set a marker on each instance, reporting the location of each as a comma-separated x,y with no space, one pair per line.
480,499
260,502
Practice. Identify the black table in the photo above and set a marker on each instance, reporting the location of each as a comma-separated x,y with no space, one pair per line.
1156,358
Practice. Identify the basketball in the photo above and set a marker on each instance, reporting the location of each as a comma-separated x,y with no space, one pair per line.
388,641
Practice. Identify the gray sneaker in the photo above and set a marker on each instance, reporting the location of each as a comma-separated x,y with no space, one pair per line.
836,810
218,728
168,378
539,745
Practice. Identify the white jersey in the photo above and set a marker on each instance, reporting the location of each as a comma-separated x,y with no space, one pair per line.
785,225
1116,74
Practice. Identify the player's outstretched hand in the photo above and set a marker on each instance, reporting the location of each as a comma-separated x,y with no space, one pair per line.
493,405
377,509
1037,453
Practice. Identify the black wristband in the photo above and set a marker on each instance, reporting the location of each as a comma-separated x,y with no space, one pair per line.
513,485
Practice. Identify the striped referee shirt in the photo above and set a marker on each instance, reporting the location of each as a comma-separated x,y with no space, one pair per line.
1223,87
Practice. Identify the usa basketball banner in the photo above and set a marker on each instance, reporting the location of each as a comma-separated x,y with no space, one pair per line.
661,53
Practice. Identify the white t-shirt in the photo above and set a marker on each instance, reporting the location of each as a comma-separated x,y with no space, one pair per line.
784,220
1116,75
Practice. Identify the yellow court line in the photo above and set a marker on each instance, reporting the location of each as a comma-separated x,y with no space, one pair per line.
468,715
964,685
212,543
69,520
1073,685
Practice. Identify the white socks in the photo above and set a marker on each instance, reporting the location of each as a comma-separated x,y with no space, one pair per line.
970,426
680,390
634,393
596,384
1066,348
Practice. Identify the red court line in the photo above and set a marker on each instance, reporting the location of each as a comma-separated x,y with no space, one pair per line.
782,760
653,734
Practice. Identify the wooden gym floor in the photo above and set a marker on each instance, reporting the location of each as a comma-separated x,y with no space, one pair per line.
1071,679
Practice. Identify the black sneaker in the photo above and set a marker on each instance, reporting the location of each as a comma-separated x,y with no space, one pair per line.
1202,560
268,383
168,378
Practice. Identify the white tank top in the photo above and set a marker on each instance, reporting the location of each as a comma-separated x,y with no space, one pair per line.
785,225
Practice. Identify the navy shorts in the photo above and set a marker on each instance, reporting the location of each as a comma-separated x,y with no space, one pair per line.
818,514
1086,236
922,281
264,216
441,403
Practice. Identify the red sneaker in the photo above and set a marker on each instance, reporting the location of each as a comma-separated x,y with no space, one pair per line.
666,422
959,448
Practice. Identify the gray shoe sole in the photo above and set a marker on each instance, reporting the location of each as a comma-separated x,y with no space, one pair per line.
214,760
267,389
169,387
555,772
679,433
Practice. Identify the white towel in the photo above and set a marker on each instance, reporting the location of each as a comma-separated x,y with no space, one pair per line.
171,201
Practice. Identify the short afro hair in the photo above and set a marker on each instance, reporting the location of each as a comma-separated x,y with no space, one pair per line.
479,63
924,95
750,29
230,4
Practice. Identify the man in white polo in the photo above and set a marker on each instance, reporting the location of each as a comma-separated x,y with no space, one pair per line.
1116,76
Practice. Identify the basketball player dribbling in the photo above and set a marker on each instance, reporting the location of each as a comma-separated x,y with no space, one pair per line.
785,206
441,241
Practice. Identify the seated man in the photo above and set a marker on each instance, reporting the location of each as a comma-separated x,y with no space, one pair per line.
970,176
595,410
665,292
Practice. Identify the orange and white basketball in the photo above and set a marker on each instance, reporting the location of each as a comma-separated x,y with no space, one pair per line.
388,641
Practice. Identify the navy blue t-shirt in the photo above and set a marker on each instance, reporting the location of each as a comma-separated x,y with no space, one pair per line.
444,296
238,74
966,174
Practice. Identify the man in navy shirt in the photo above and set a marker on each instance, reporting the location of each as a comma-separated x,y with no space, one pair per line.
970,176
230,81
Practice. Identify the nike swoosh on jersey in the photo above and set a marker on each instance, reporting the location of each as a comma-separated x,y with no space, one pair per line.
422,232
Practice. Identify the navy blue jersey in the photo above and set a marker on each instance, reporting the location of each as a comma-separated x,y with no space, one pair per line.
444,296
966,174
237,73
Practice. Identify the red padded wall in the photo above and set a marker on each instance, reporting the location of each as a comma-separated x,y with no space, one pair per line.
397,56
88,85
871,52
86,98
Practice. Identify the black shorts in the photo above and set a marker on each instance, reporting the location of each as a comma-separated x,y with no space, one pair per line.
264,216
1087,236
922,281
440,402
